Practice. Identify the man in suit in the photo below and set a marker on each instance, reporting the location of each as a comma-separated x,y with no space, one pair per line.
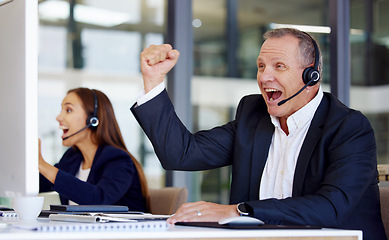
309,160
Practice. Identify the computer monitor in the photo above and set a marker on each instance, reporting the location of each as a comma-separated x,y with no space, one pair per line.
19,175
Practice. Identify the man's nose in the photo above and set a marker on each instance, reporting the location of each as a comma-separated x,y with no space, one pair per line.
266,75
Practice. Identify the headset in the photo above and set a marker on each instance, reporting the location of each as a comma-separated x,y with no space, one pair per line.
311,75
92,121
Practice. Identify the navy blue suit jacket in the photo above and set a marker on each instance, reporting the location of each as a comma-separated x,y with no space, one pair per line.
335,182
113,180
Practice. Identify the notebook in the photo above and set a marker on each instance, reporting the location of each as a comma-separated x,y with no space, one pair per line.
8,214
88,208
104,217
87,218
47,213
54,226
5,208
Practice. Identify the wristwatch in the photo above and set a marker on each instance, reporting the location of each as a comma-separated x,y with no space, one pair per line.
241,208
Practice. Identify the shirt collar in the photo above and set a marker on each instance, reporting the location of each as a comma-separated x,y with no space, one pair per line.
301,116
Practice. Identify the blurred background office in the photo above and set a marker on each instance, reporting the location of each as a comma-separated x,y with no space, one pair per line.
96,44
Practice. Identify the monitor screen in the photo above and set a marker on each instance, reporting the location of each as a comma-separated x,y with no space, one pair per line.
19,175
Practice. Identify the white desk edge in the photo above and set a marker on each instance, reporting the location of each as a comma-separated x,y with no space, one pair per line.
175,232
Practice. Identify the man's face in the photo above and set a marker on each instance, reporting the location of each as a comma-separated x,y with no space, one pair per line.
280,75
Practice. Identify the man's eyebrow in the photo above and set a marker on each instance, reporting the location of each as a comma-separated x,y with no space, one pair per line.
259,59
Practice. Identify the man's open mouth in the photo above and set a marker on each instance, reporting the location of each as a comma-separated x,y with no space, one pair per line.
273,94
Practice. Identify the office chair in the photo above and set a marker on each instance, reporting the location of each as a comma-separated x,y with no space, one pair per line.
384,199
167,200
50,198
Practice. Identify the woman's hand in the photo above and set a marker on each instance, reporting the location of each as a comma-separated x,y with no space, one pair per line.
50,172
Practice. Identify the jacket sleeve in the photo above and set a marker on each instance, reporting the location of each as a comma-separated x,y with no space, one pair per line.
176,147
44,184
108,181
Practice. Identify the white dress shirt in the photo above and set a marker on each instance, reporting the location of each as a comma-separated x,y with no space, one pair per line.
143,98
277,177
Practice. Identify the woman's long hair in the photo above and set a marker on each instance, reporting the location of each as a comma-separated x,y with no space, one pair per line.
108,131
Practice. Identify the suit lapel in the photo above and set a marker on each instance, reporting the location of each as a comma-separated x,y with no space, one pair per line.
313,136
262,139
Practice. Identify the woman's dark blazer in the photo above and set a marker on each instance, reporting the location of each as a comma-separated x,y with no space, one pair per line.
335,181
113,180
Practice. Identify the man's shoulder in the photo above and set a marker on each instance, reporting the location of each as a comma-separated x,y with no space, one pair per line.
253,107
339,112
253,100
335,105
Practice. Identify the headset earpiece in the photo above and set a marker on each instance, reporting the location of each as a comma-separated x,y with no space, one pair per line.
92,121
311,75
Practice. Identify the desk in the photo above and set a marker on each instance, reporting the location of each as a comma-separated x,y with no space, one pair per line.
183,232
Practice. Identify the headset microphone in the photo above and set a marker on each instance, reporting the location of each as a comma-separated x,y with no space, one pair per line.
82,129
311,75
297,93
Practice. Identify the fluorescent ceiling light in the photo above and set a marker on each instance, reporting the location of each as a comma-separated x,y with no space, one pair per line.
305,28
54,10
314,29
98,16
357,32
59,10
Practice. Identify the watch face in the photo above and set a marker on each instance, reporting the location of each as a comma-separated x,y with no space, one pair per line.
242,209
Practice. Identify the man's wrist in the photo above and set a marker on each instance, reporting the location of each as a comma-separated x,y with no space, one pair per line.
242,209
145,97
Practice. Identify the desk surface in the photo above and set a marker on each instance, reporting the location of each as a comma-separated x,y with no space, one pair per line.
182,232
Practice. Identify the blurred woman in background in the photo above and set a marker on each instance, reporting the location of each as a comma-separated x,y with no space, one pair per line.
97,168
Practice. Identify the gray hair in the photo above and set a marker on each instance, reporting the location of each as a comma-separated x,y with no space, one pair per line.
306,46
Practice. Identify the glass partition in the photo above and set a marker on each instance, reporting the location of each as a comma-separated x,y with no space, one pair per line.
370,76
